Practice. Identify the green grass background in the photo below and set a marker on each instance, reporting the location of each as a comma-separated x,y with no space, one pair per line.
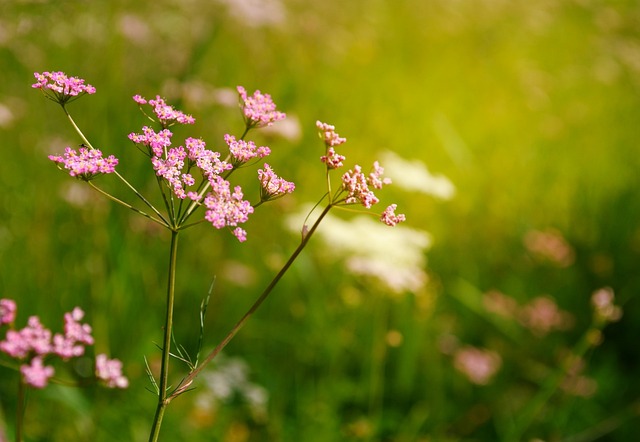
531,108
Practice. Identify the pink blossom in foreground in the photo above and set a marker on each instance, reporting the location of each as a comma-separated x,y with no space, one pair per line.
389,216
242,151
170,168
166,114
36,374
7,311
542,315
57,86
110,371
329,135
225,208
85,163
271,185
32,338
258,110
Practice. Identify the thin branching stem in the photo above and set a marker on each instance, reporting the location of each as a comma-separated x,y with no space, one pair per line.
188,380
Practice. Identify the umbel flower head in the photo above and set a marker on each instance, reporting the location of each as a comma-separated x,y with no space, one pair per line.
86,163
57,87
258,110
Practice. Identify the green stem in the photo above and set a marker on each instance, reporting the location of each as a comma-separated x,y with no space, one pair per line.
129,206
115,172
166,346
188,380
22,405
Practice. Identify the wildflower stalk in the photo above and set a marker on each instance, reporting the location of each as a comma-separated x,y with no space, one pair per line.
163,401
188,380
20,409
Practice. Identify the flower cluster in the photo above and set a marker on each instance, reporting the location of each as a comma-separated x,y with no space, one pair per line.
355,183
167,115
62,89
258,110
180,167
272,186
242,151
85,163
33,343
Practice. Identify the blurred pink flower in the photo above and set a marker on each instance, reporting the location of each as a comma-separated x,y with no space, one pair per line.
550,245
37,374
110,371
500,304
602,301
542,316
478,365
7,311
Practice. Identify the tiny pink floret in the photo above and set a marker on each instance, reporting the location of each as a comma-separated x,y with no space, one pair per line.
85,163
60,88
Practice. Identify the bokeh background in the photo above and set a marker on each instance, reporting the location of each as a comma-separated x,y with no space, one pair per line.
529,109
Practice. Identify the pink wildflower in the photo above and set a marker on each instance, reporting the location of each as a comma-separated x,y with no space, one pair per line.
7,311
110,371
542,316
225,208
157,143
34,337
271,185
259,110
242,151
375,177
356,184
389,216
329,135
37,374
76,335
332,159
86,163
166,114
206,160
62,89
170,168
478,365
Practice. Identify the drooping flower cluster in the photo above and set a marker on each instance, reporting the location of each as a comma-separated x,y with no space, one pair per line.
258,110
62,89
85,163
33,343
355,183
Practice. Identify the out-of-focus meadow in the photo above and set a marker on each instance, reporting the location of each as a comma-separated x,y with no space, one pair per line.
530,109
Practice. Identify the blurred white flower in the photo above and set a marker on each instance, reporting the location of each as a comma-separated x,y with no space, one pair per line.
414,176
395,256
229,380
256,13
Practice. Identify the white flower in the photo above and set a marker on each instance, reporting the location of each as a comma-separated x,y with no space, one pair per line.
414,176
